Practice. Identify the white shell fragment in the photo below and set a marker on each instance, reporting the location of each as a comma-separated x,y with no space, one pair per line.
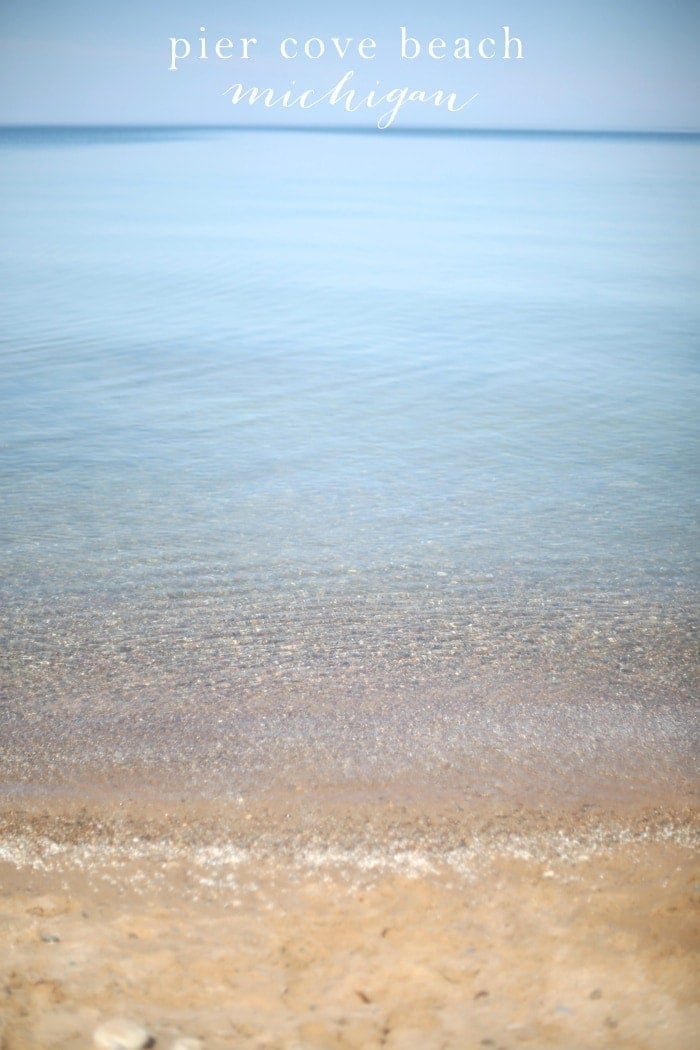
121,1034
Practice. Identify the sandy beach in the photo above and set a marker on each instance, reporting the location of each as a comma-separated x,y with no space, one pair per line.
368,926
329,859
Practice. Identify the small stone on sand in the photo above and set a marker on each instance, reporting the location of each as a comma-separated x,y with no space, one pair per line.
121,1034
187,1044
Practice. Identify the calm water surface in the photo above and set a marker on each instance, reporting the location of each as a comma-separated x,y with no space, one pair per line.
347,446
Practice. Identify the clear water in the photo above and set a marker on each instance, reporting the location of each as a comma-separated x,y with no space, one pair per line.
295,423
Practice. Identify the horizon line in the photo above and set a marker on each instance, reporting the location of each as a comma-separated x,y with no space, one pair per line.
361,129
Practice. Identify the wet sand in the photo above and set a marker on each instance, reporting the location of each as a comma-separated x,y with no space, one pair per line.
278,924
267,844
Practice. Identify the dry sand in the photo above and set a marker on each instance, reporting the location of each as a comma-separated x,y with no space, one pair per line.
373,927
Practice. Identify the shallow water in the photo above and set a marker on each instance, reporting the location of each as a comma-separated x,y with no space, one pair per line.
348,452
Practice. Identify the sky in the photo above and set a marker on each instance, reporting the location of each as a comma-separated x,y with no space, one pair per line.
587,64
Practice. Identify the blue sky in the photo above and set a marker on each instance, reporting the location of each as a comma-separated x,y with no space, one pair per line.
589,64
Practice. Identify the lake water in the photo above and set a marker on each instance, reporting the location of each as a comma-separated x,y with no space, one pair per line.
350,453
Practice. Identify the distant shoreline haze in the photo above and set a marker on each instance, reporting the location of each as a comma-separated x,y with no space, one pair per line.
675,134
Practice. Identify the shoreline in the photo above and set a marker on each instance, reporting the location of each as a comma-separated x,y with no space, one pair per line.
426,853
367,926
